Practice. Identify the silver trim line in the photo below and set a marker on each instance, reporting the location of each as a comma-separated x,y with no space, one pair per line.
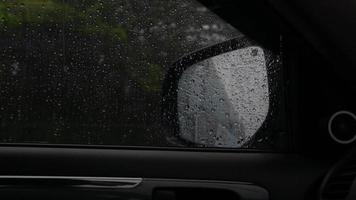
76,181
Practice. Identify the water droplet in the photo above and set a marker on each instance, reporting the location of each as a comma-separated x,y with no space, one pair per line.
227,115
211,132
254,52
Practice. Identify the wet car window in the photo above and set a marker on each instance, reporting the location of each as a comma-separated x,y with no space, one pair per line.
91,71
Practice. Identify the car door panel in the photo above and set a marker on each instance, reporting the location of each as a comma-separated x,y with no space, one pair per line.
280,174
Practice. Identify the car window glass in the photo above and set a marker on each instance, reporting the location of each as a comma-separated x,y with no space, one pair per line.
91,71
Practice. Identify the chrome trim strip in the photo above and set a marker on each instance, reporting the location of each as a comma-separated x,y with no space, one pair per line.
79,181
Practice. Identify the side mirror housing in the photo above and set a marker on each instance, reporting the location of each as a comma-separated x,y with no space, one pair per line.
219,96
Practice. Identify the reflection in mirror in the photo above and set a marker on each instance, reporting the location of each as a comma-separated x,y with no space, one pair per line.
224,100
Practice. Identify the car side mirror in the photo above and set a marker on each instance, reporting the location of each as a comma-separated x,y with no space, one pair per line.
218,96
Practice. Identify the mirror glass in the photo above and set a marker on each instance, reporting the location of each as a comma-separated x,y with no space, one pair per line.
224,100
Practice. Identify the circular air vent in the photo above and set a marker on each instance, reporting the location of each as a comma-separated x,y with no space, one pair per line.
342,127
338,183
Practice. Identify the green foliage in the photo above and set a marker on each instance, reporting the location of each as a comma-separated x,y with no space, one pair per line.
151,81
15,13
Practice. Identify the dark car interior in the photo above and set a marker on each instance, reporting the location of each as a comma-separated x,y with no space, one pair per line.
316,42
